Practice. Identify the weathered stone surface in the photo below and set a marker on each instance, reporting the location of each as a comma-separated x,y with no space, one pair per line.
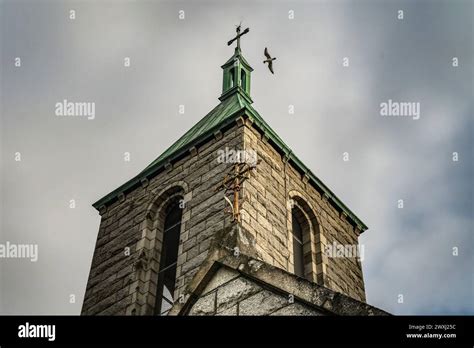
232,311
265,233
261,289
123,221
223,276
267,193
296,309
234,291
118,308
194,262
262,303
205,305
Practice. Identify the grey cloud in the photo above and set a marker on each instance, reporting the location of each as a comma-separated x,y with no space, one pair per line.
177,62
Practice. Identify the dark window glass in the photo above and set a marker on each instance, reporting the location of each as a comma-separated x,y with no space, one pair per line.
243,79
232,78
168,261
297,246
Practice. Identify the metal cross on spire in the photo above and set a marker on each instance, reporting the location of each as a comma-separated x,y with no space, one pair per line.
232,182
239,34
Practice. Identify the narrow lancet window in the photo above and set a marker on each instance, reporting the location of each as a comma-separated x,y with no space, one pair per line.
168,260
298,256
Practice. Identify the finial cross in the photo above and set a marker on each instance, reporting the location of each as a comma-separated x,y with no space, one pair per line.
239,34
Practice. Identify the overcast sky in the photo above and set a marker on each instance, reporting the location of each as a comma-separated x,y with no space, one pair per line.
177,61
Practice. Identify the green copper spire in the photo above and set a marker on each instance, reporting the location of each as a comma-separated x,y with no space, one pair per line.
237,70
235,104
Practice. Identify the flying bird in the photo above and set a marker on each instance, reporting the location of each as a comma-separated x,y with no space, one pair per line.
269,60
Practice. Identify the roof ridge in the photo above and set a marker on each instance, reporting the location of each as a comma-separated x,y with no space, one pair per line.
198,129
217,118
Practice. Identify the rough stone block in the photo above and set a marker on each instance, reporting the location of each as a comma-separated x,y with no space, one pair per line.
262,303
296,309
222,276
205,305
235,291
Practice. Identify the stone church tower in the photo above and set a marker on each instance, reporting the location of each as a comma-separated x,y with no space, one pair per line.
167,246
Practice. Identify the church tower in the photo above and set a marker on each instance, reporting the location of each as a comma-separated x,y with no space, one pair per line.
227,221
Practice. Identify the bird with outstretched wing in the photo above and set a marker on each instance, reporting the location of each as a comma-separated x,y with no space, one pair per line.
269,60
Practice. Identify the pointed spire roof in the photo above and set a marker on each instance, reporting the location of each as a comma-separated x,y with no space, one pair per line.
217,118
235,103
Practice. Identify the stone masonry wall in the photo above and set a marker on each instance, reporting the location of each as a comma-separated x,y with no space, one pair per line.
266,212
124,268
125,283
229,293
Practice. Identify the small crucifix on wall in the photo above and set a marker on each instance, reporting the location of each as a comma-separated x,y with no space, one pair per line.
231,183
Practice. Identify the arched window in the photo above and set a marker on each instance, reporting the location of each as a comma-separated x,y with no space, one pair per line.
231,77
243,79
298,260
168,259
302,258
